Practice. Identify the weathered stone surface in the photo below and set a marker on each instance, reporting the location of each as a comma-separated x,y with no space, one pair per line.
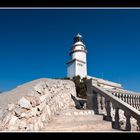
43,97
35,109
13,120
7,118
39,88
23,115
48,110
11,107
17,111
23,102
23,124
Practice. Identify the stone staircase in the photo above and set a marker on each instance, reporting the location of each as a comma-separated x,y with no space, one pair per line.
74,120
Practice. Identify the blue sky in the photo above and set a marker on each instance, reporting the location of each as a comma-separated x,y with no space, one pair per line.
35,44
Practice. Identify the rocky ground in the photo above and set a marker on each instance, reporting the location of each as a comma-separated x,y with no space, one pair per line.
50,105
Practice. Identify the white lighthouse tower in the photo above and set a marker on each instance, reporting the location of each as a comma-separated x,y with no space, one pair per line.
77,65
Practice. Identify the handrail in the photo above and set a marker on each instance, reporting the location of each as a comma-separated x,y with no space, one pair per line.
121,91
118,102
100,99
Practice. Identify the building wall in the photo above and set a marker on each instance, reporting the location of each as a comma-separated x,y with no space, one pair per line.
79,55
81,69
71,70
104,83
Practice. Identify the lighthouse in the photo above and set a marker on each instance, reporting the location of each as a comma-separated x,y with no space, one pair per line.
77,64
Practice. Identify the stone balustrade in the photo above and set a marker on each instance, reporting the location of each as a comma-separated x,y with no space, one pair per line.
105,101
129,97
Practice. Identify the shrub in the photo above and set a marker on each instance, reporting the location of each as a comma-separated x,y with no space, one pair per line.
80,86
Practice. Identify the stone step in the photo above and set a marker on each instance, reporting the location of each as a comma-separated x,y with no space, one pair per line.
78,123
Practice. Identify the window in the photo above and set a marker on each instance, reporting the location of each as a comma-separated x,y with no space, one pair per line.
79,64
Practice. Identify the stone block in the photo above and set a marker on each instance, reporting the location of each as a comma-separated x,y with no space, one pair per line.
24,103
13,120
48,110
11,107
43,97
34,111
6,118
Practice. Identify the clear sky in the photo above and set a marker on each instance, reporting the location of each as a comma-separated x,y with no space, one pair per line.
36,43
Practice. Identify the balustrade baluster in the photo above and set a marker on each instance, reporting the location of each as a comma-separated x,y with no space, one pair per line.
116,123
130,100
108,111
119,95
124,97
134,101
128,123
138,102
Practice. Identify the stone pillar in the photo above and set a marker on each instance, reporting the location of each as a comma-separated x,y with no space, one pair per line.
116,123
122,97
103,105
134,101
96,105
128,99
128,123
138,102
108,111
93,98
125,99
89,94
138,122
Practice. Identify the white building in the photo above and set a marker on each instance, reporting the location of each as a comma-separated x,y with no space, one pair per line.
78,64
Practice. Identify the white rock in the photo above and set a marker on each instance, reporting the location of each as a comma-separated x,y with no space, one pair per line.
39,88
48,110
85,113
81,113
92,113
33,111
23,124
18,111
12,128
42,106
75,113
43,97
43,117
68,114
23,102
11,107
23,115
46,90
7,118
13,120
31,127
36,126
89,112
